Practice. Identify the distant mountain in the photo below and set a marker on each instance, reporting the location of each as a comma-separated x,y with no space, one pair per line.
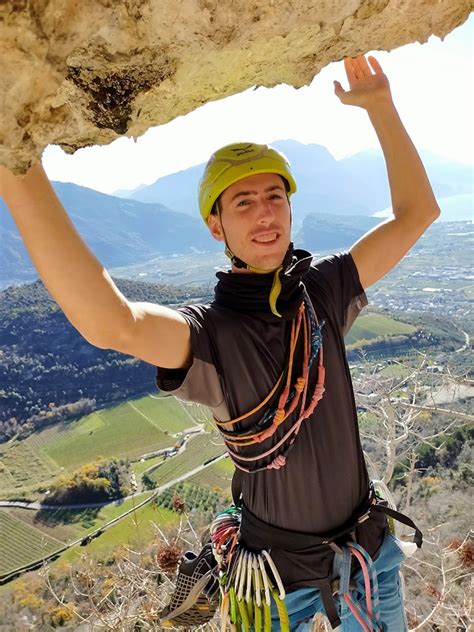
177,191
357,185
119,232
454,208
332,232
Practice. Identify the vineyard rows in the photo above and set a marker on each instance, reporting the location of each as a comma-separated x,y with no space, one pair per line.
22,543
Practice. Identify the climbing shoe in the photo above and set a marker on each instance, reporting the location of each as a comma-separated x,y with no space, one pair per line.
196,595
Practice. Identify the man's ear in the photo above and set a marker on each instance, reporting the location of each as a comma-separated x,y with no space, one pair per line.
215,227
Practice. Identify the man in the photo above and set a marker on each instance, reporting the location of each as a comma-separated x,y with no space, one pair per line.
255,356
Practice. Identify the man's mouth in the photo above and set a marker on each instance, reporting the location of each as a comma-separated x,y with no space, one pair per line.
266,238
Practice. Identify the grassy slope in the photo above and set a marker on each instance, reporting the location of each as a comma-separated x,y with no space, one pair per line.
128,430
370,326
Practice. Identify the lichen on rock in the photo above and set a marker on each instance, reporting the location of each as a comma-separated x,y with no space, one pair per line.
83,73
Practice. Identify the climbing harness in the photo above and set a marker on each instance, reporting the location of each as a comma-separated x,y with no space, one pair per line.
305,327
342,541
249,580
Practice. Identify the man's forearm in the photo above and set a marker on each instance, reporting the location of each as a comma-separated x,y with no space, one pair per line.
74,277
411,192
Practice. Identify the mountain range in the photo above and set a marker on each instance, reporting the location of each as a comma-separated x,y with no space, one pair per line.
333,207
357,185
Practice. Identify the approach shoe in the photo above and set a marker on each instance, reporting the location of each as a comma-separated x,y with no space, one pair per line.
196,595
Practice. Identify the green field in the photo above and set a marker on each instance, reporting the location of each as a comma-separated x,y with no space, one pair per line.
129,430
126,431
140,466
166,413
369,326
198,450
22,543
135,530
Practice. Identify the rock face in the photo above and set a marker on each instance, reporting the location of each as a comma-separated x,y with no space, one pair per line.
82,72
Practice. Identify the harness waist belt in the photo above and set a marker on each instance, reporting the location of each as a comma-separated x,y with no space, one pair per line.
289,540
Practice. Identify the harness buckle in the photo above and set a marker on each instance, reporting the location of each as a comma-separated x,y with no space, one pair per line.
335,547
364,517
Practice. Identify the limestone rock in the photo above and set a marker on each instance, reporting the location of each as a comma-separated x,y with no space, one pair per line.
82,72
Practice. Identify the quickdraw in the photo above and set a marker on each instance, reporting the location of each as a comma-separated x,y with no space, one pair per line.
249,580
305,326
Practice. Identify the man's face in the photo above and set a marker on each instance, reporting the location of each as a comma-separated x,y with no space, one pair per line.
255,216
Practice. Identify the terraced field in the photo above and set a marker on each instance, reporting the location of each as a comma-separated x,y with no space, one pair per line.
199,449
217,475
55,527
22,543
23,468
129,430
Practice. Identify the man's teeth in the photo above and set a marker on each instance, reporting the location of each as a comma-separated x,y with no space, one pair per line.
265,238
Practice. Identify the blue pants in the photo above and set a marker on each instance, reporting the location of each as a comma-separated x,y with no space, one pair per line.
304,603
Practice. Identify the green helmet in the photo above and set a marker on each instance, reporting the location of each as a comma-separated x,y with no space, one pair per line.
235,162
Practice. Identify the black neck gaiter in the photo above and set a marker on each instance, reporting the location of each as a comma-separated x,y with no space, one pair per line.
248,293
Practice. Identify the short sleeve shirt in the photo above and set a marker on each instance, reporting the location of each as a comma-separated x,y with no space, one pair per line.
237,359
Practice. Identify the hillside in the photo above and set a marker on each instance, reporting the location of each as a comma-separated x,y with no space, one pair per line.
49,372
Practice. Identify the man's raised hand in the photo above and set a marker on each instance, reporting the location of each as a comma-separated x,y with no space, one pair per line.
368,87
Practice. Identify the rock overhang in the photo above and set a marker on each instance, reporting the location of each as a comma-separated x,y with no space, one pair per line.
83,73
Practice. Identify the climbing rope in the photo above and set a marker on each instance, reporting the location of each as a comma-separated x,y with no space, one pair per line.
305,327
369,619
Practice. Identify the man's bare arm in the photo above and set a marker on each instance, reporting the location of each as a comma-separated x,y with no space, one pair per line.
80,284
413,202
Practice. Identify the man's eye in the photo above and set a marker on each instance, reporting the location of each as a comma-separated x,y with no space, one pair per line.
243,203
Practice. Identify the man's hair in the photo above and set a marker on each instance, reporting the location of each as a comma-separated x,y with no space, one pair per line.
216,207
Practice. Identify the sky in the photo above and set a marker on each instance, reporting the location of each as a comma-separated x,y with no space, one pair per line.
431,83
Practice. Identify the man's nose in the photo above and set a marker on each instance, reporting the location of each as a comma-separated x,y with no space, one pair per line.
266,213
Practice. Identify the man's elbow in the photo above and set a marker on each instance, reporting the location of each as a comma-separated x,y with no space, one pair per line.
422,220
435,212
110,337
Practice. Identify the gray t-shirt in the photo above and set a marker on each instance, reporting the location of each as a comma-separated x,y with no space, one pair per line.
237,359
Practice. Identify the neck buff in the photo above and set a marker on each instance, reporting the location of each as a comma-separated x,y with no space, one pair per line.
248,293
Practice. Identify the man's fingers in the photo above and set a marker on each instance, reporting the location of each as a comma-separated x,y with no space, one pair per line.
375,65
364,68
340,92
350,70
338,89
